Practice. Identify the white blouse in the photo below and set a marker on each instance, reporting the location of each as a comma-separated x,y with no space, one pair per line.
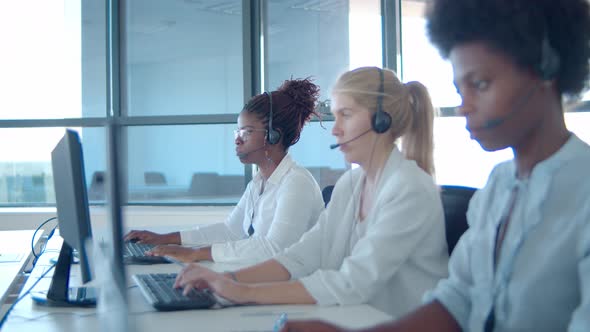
288,207
391,258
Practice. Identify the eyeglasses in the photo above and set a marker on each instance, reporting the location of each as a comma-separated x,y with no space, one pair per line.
245,133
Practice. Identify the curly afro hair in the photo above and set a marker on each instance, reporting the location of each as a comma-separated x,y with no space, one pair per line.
517,28
293,105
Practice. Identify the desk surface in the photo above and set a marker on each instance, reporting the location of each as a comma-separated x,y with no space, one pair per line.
13,242
27,316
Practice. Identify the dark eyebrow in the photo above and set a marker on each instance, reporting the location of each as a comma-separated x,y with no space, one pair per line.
246,127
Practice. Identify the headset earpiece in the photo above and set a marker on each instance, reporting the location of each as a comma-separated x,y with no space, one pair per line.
381,120
272,136
550,62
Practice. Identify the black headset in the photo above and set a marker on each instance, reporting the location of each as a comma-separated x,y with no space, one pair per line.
550,63
381,120
272,135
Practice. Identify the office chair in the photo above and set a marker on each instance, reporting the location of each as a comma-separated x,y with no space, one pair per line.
327,194
154,178
203,184
97,186
455,200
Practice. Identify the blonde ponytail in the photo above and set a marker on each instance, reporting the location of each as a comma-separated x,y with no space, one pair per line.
418,141
409,106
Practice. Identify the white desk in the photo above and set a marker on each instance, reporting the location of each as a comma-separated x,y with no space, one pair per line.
26,316
11,272
13,242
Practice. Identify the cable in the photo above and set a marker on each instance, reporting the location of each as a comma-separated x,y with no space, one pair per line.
25,293
48,237
28,291
34,284
53,314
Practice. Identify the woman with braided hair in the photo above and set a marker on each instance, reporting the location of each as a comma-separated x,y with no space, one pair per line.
281,203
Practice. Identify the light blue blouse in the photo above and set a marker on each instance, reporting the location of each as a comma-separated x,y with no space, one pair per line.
542,278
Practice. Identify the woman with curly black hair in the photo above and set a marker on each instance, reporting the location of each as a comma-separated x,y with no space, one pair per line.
281,203
524,263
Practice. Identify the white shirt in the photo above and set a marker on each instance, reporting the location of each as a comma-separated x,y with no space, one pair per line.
389,259
542,278
289,206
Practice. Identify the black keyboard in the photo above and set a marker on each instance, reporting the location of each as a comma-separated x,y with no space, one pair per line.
134,253
158,289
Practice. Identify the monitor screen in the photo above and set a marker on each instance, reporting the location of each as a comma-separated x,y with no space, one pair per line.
74,224
71,197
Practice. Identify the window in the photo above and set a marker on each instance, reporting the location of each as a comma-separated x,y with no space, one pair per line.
183,57
184,164
321,39
187,69
26,176
47,78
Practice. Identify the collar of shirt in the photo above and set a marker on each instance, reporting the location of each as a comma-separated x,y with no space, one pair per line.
261,206
391,165
282,168
538,184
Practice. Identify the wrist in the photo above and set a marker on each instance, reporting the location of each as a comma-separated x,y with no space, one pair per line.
201,254
245,293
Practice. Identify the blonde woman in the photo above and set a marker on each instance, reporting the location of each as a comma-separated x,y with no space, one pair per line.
381,240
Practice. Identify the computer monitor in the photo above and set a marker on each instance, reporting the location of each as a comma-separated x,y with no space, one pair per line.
74,225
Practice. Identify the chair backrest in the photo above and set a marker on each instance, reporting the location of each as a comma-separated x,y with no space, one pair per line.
327,194
203,184
97,186
154,178
455,200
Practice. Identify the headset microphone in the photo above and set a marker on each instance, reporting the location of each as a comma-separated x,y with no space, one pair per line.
245,154
334,146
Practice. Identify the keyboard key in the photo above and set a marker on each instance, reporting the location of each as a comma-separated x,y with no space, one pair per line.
158,289
135,253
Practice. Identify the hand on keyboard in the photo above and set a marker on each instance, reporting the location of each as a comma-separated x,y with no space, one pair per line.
137,249
200,277
136,253
152,238
159,291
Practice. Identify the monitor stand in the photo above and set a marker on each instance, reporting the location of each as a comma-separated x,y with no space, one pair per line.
59,293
